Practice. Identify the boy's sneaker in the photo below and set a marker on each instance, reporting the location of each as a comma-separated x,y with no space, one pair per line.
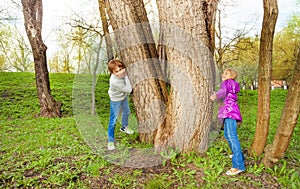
126,130
111,146
233,171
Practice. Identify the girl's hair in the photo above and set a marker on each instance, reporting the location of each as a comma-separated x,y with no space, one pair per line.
113,64
232,73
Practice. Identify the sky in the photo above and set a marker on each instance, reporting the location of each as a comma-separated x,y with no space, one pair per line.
57,12
237,14
250,12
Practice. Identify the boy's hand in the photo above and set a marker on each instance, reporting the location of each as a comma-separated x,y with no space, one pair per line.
120,73
125,73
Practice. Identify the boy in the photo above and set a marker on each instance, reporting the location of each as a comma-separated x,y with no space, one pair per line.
119,90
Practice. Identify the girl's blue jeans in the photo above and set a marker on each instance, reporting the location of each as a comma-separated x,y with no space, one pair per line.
115,108
230,133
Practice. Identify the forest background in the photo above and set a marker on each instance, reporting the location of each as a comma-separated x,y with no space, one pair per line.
80,53
77,24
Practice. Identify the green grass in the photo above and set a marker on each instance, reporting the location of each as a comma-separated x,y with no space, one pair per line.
54,153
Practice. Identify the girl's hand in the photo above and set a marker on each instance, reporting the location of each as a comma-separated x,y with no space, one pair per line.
213,97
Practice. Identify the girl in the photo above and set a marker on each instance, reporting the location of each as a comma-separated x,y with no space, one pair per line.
229,113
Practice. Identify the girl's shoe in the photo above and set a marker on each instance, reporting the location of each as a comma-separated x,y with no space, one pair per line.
233,171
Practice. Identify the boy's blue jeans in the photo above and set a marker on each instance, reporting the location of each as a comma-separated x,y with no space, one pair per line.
114,112
230,133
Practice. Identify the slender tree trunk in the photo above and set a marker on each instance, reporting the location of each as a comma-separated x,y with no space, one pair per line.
136,46
288,121
33,13
220,50
108,41
79,56
187,40
264,76
95,68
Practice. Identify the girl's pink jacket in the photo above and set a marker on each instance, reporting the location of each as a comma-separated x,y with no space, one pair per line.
228,95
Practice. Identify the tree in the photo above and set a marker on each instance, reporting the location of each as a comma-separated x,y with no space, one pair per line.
21,54
33,15
224,47
136,47
286,44
244,57
288,121
64,52
78,38
15,49
2,62
105,25
85,34
95,68
6,36
54,63
180,118
188,40
264,76
8,13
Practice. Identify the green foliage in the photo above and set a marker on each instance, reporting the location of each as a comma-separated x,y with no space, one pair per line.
158,182
286,44
51,153
244,58
15,51
287,176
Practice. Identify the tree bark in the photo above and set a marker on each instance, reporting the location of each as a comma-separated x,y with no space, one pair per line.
33,13
186,36
210,10
264,76
136,46
181,118
108,41
288,121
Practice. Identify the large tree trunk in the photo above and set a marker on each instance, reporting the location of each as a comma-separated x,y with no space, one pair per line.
187,40
181,119
108,41
136,47
264,76
33,13
288,121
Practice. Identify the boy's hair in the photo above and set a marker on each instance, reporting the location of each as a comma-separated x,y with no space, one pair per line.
232,73
113,64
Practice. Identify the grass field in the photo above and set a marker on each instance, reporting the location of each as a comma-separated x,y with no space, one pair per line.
53,153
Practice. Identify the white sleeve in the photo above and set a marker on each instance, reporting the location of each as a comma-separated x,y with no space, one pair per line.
126,87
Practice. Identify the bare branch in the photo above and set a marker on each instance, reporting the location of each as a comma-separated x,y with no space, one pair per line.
87,28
